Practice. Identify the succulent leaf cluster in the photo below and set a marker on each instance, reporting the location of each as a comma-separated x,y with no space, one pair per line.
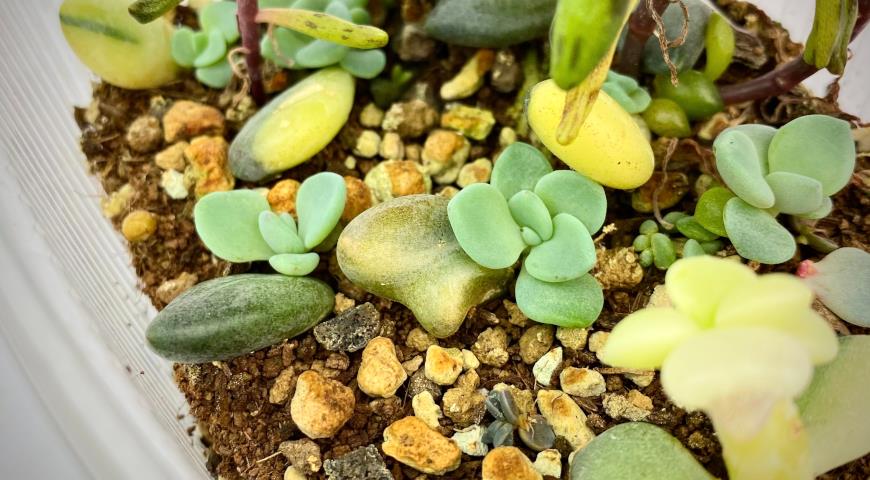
240,226
656,247
627,92
792,170
545,216
534,430
206,50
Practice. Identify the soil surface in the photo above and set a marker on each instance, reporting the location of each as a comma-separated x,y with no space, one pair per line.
230,400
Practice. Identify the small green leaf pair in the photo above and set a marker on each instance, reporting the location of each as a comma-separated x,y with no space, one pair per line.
627,92
792,170
292,49
206,50
657,248
528,207
239,225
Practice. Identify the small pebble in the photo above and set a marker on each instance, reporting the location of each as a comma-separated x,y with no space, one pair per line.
410,119
392,147
380,373
491,347
413,45
443,365
473,122
470,78
659,298
535,342
397,178
144,134
282,196
448,192
618,268
635,406
174,184
413,152
413,443
597,341
283,386
426,409
506,136
444,154
350,330
565,416
469,380
524,399
169,289
371,116
508,463
413,364
186,119
420,340
172,157
549,463
544,368
343,303
470,440
139,225
515,315
367,144
350,162
477,171
209,166
641,379
363,463
292,474
469,360
464,406
357,200
419,383
117,201
583,382
320,406
304,455
572,338
507,73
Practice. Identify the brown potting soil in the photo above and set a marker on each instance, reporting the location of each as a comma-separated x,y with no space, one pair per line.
230,400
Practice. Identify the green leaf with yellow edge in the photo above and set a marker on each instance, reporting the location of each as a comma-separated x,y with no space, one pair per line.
319,204
484,227
518,167
572,304
565,191
567,255
228,224
325,27
697,285
644,339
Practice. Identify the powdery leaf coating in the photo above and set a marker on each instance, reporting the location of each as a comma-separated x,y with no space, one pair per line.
279,231
528,210
566,256
697,285
228,224
517,168
816,146
644,339
636,450
295,264
756,234
572,304
564,191
795,194
319,204
834,407
484,227
738,162
841,281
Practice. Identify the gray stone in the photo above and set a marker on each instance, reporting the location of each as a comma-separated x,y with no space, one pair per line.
419,383
350,330
362,463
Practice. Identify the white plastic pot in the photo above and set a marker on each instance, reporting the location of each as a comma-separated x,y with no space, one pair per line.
84,397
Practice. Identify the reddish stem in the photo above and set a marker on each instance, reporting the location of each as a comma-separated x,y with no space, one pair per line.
640,26
787,75
250,33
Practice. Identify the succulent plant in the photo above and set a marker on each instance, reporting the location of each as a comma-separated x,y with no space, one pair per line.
793,170
719,43
545,216
740,347
840,281
655,247
684,56
489,23
385,91
534,430
627,92
240,226
206,50
696,94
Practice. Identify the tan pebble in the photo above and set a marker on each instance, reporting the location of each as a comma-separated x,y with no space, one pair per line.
583,382
282,196
469,360
549,463
284,383
508,463
371,116
506,136
426,409
444,153
547,365
642,379
565,416
303,454
144,134
413,364
350,162
392,147
358,199
597,341
380,373
396,178
470,440
473,122
572,338
168,290
117,201
635,406
242,111
186,119
469,380
292,474
139,225
208,159
464,406
172,157
535,342
343,303
617,268
491,347
443,365
413,443
413,152
320,406
477,171
419,339
515,315
659,298
410,119
470,77
448,192
367,144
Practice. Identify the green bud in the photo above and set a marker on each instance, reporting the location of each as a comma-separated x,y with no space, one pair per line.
695,93
666,118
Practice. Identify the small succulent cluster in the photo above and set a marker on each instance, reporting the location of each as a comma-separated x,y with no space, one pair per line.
656,247
528,207
627,92
768,171
239,225
291,49
534,430
206,50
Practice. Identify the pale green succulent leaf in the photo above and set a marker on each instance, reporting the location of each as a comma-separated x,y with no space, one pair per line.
710,210
295,264
228,224
320,53
281,47
823,211
214,51
691,228
693,248
569,254
186,45
319,205
572,304
528,210
518,167
279,231
221,17
338,9
365,64
482,223
663,252
530,237
644,339
756,234
566,191
761,136
841,281
360,16
738,162
697,285
795,194
215,76
628,94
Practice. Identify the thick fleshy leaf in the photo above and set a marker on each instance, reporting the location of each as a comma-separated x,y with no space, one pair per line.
338,9
816,146
566,256
319,204
186,46
215,76
530,237
755,365
842,282
365,64
228,224
636,450
528,210
220,16
761,135
740,166
691,228
795,194
282,46
518,167
697,285
295,264
360,16
566,191
693,248
482,223
756,234
781,302
834,407
719,44
279,231
644,339
663,252
572,304
215,50
320,53
823,211
710,210
627,93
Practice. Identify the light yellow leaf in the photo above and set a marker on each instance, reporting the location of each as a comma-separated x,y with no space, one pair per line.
643,339
697,285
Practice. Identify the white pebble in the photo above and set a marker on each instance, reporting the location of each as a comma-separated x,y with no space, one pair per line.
470,441
546,365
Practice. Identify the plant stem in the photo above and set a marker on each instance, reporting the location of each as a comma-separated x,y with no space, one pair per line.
640,26
786,76
250,33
